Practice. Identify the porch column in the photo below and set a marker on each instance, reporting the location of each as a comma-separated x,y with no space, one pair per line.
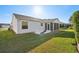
53,27
58,26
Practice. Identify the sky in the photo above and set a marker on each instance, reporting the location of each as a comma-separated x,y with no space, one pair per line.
62,12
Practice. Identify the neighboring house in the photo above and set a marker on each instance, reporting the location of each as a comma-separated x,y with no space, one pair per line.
24,24
4,25
64,25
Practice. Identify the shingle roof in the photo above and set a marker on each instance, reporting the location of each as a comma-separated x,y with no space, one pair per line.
23,17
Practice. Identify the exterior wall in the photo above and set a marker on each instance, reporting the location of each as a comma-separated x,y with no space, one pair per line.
36,27
13,25
32,27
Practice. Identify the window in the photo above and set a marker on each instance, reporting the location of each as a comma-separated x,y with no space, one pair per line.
24,25
41,24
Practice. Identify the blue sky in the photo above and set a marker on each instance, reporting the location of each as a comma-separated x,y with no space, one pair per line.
63,12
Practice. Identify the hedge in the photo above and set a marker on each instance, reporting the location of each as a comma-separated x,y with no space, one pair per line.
75,20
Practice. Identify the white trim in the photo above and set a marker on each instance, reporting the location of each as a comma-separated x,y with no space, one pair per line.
53,27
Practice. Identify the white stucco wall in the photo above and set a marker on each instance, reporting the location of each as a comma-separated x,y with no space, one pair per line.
36,27
32,27
14,26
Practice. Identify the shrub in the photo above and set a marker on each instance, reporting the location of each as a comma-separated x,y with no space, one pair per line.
75,20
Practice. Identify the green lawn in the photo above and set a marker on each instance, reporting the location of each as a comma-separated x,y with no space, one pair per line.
30,42
10,42
3,29
63,42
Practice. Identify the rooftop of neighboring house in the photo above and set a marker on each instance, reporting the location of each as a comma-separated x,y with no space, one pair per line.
4,24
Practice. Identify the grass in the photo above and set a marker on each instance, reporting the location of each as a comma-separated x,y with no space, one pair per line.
3,29
30,42
10,42
62,42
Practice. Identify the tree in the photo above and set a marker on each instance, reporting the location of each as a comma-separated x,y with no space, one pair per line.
75,21
70,19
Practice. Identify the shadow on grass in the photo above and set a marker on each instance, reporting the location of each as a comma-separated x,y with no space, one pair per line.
21,43
46,37
42,39
26,42
66,34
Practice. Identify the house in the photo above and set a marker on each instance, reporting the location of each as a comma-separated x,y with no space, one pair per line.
65,25
4,25
24,24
